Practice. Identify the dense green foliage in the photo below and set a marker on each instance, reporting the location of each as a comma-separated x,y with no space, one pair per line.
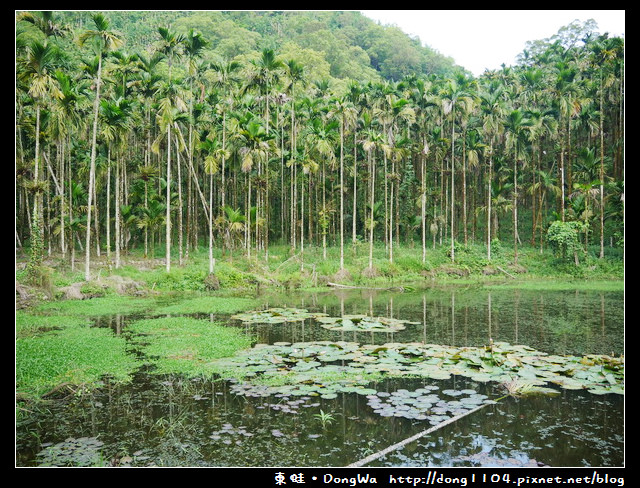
186,345
340,45
166,130
63,351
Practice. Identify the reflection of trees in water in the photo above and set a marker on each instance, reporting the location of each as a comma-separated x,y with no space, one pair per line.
558,322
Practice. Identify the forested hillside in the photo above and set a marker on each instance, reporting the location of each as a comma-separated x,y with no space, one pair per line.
165,131
338,45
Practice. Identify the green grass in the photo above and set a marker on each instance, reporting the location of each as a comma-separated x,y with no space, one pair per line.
56,344
29,325
208,304
186,345
74,353
288,269
95,307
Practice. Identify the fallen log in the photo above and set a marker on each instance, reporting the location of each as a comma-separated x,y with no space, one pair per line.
351,287
417,436
505,272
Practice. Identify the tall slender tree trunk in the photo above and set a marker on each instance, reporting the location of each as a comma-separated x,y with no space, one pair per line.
355,186
423,205
63,239
211,260
302,223
180,206
464,188
117,212
325,219
342,195
561,169
391,199
601,167
168,204
92,172
489,198
515,210
371,225
248,227
453,173
108,204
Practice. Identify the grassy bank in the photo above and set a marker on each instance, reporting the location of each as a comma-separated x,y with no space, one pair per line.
286,269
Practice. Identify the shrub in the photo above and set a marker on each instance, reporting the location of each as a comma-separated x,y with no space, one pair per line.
564,237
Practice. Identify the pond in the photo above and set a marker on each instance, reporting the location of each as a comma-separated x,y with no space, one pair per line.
173,420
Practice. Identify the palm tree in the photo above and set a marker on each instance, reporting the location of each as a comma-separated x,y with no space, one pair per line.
295,75
146,173
147,83
542,123
65,116
425,102
516,126
374,140
45,22
37,70
400,150
320,143
383,98
235,223
152,218
194,45
347,114
262,74
254,146
492,110
604,52
171,110
565,92
116,116
474,149
355,94
399,111
215,154
125,65
454,95
226,78
104,40
171,46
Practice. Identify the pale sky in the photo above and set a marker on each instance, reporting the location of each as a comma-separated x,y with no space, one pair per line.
485,39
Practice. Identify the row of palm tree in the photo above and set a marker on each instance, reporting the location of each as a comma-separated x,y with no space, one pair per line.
255,151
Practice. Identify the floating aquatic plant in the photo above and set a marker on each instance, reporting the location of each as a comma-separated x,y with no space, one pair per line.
520,388
363,323
278,315
425,404
326,368
81,451
229,434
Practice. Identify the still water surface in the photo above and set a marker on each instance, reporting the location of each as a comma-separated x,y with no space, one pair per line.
177,421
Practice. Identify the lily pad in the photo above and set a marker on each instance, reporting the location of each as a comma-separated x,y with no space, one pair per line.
334,367
363,323
278,315
81,451
422,404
